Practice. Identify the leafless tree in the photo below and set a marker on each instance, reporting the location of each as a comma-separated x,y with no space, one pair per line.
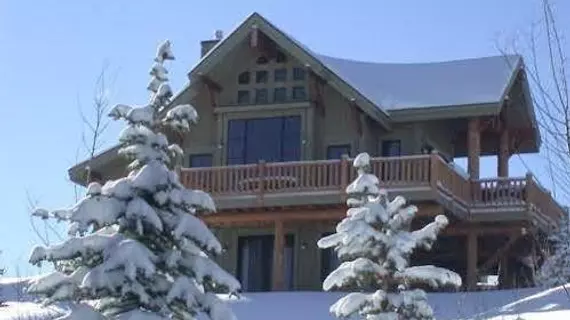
95,124
547,71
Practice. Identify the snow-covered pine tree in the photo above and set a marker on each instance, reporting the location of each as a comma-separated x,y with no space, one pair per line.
555,270
375,245
138,249
2,271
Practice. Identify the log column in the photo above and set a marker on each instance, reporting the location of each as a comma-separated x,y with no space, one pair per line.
471,260
504,153
473,147
278,280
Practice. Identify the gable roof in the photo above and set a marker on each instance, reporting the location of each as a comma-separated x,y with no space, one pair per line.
388,86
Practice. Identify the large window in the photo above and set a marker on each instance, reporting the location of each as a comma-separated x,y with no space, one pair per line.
255,262
273,139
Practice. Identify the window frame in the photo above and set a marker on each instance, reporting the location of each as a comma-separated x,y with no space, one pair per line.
299,74
244,78
259,79
275,95
256,99
293,95
242,102
279,79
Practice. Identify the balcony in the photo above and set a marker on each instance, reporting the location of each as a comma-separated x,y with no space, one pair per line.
418,178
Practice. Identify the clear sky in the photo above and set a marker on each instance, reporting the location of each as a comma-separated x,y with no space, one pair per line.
52,51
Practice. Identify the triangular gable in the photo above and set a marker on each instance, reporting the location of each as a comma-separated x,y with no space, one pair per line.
296,50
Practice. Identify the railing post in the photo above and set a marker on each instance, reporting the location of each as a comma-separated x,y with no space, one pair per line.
529,190
433,169
344,175
261,179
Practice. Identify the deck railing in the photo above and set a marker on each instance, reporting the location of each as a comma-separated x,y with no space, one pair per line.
394,172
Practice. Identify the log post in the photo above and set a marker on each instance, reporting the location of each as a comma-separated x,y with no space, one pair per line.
471,260
473,147
504,153
278,279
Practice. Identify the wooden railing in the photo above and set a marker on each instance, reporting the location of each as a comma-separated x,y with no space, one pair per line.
394,172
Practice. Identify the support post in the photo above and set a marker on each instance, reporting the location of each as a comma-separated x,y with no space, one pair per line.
278,281
473,147
471,260
504,153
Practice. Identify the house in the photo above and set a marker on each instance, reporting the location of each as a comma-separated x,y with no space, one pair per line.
278,123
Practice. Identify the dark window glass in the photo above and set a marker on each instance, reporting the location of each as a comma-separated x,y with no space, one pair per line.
255,262
280,94
244,77
200,160
261,96
280,75
299,93
261,76
329,261
271,139
236,141
262,60
391,148
299,74
280,58
337,151
243,97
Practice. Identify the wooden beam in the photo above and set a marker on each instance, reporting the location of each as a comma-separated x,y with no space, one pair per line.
254,37
473,147
471,260
316,88
210,83
278,276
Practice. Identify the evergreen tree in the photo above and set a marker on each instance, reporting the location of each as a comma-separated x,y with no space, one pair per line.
375,245
555,270
137,248
2,271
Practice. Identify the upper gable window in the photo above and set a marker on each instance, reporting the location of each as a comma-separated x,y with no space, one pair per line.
243,97
262,60
280,75
244,77
299,74
280,57
261,76
299,93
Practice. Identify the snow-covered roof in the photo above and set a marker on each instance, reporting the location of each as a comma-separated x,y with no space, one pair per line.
394,86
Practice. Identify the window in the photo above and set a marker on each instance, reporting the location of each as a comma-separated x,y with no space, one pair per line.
271,139
244,77
261,76
299,74
299,93
280,57
337,151
200,160
243,97
262,60
391,148
280,75
280,94
261,96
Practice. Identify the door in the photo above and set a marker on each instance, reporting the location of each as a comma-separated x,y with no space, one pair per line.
255,262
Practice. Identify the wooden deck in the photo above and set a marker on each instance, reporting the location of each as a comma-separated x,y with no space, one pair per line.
418,178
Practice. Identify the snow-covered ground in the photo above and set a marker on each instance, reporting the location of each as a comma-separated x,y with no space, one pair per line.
524,304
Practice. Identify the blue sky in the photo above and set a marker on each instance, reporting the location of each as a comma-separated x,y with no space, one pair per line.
52,52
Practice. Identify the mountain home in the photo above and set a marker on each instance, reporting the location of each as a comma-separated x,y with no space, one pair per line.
279,123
